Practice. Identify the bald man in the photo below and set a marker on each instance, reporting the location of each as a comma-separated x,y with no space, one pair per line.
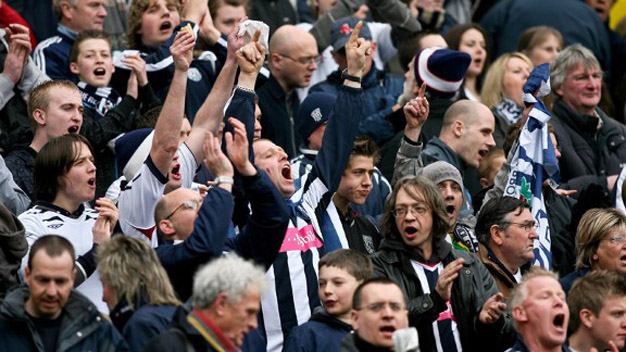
466,136
293,58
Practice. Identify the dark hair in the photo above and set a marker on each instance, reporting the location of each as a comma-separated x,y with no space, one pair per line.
53,162
496,212
415,185
409,48
215,5
86,35
591,292
365,146
453,38
354,262
54,245
535,36
358,293
513,133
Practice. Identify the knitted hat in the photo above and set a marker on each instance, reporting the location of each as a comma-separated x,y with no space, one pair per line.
442,171
314,111
132,149
341,30
443,70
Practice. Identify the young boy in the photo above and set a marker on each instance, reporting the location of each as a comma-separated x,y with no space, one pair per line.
92,63
340,273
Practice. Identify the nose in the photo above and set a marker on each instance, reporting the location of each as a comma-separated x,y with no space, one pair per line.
557,152
491,142
253,324
367,180
102,11
51,289
533,234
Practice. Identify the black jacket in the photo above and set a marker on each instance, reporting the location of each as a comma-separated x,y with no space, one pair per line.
13,247
588,155
470,290
21,163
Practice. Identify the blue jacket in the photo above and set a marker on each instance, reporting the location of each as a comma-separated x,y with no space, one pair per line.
568,281
82,327
576,21
381,92
145,323
323,333
52,55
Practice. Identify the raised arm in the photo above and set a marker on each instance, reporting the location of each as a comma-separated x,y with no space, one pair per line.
167,129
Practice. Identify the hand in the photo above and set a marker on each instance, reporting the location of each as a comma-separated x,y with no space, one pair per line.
182,50
447,277
612,347
566,192
416,110
216,162
361,13
235,42
356,51
207,30
131,87
251,56
492,309
105,223
19,49
138,65
193,10
237,148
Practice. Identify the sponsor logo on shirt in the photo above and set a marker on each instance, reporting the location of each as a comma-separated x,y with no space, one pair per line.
300,239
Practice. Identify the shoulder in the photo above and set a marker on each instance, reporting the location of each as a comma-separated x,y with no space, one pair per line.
49,43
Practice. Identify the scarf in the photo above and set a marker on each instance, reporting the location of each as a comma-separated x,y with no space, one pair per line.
509,110
99,100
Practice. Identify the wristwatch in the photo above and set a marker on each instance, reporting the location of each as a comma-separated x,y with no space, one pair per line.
349,77
223,179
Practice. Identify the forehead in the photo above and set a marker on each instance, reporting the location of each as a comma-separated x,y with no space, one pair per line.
541,284
524,215
360,162
431,40
581,68
84,3
180,195
303,44
230,11
409,194
81,149
381,292
57,266
262,146
328,272
448,183
94,44
472,34
516,62
64,95
481,118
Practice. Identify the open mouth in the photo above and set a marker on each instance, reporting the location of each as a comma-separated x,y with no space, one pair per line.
165,26
91,182
99,72
483,152
73,129
176,170
410,230
559,320
387,329
286,171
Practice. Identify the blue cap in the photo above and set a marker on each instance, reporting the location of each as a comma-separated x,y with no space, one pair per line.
443,70
314,111
341,30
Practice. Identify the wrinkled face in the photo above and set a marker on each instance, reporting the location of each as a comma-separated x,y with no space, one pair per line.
227,17
88,14
257,122
273,160
516,73
546,51
183,205
382,312
50,281
582,88
416,225
611,254
94,64
356,182
610,324
64,113
298,63
241,317
473,43
477,138
517,241
544,311
453,199
336,288
80,181
158,22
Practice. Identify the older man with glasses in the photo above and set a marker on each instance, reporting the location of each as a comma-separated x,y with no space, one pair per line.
506,231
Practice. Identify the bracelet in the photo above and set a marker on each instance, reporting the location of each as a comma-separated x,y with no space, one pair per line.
349,77
246,89
223,179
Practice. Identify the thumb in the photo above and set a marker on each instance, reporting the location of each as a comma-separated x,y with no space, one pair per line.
256,36
498,297
228,138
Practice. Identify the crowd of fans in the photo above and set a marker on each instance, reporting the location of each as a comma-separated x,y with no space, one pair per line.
310,175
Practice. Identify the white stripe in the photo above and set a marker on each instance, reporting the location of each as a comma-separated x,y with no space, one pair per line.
333,213
419,270
265,72
271,313
222,42
39,56
432,80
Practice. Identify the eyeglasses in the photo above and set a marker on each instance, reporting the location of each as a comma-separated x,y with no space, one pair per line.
305,61
188,205
401,211
379,306
527,226
617,239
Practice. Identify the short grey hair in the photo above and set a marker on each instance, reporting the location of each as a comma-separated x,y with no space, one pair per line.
520,292
229,274
567,60
57,7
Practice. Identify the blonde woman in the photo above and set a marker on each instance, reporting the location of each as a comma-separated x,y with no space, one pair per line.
503,89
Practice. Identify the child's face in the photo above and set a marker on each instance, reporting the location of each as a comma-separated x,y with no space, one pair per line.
94,64
336,288
158,22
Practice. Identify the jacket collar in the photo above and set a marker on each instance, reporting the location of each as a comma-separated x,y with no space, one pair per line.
64,31
448,154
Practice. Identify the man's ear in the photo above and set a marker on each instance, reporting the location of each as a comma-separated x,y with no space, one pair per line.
166,227
66,9
484,183
374,46
354,317
39,116
458,128
276,60
74,68
496,234
586,318
519,314
220,304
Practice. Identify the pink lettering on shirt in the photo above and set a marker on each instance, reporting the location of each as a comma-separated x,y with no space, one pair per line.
300,239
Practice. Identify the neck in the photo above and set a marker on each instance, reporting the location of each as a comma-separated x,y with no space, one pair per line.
346,318
38,142
590,111
579,341
341,204
448,138
512,268
69,25
532,342
281,82
65,203
425,250
470,84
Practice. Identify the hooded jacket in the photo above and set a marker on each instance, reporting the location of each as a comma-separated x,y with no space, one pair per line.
13,247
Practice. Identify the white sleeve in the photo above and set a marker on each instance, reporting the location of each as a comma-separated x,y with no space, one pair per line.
188,165
34,229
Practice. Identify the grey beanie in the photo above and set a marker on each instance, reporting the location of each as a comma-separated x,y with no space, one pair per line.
442,171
